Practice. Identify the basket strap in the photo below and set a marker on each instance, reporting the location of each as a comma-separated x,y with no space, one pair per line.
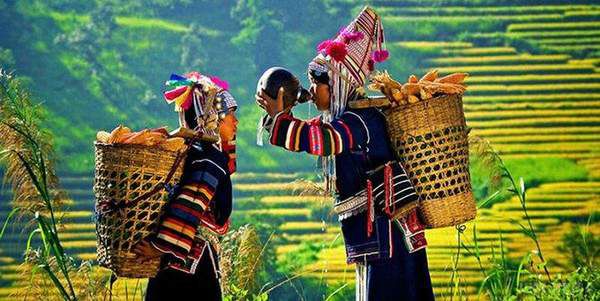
162,185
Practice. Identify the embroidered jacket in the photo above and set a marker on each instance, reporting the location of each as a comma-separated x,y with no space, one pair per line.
358,140
203,198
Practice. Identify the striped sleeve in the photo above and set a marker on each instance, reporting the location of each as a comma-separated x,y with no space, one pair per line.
184,212
315,137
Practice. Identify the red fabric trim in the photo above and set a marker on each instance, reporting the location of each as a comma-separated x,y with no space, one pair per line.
206,186
369,207
313,139
388,188
175,235
348,133
275,132
195,213
180,224
320,141
211,225
292,142
196,196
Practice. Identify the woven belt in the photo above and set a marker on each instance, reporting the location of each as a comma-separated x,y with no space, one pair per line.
351,206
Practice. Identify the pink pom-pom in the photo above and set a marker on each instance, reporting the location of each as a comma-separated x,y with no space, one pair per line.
352,36
219,82
380,55
337,50
323,46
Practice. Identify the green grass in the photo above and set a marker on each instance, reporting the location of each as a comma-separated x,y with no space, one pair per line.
530,78
582,13
130,22
537,138
488,10
561,33
567,87
567,41
393,21
573,47
552,25
471,107
481,51
490,115
293,200
488,60
518,69
532,97
436,44
289,213
535,130
541,122
561,147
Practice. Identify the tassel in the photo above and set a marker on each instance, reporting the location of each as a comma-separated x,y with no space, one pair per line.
370,208
380,55
219,82
388,188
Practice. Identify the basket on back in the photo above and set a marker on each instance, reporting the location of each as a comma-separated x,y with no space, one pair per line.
124,174
428,131
431,140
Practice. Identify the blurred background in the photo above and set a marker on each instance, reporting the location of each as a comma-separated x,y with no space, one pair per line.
534,94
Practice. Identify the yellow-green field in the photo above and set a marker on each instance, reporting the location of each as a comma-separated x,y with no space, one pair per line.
529,105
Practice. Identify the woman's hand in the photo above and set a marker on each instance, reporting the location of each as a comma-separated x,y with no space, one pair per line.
270,105
146,251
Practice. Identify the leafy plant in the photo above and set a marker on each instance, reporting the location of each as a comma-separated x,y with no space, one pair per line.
241,261
581,285
26,151
499,171
581,247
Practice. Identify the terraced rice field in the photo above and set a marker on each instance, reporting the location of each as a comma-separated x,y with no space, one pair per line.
527,104
503,95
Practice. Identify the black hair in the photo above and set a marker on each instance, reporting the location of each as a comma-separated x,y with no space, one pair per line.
319,77
190,117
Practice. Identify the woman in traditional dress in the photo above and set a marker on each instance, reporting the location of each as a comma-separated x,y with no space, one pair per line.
389,250
200,205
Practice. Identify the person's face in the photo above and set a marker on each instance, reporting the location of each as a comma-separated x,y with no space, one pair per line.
320,93
228,127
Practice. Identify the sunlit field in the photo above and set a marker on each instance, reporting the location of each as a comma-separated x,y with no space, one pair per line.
533,93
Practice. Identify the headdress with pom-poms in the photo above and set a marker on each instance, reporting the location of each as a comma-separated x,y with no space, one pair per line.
350,57
347,60
206,96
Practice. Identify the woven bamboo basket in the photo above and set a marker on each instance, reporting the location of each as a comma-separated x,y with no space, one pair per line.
430,138
125,173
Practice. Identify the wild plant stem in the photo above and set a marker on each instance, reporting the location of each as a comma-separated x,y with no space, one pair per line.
459,231
22,115
522,199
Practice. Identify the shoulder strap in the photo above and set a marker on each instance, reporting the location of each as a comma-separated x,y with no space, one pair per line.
164,183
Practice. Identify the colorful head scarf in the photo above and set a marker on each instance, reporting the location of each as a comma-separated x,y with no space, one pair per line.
207,96
350,58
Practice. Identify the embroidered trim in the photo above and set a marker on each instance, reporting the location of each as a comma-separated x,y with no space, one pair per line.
370,207
215,164
363,123
351,206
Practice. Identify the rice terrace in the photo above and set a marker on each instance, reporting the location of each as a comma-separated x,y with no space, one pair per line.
69,69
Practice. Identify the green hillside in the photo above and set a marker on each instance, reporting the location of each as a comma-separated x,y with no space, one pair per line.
534,93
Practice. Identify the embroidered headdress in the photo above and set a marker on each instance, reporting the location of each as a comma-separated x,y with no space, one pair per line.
344,63
348,59
200,100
